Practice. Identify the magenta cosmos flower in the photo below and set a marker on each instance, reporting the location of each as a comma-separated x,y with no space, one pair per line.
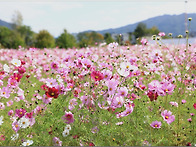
69,117
20,112
97,75
156,124
167,116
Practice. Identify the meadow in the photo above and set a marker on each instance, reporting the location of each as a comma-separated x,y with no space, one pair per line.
109,95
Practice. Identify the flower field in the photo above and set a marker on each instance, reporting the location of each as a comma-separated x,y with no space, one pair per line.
109,95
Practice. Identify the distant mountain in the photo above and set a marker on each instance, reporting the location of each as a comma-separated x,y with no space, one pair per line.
5,24
174,24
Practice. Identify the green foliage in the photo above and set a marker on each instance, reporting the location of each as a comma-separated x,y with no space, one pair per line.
10,39
5,39
44,40
108,38
66,40
153,31
27,34
91,39
16,40
141,30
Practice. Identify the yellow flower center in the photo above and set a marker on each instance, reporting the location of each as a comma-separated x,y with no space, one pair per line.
155,125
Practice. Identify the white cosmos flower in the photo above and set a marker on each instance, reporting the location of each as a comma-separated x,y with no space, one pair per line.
1,120
27,143
24,122
68,127
65,133
14,136
123,72
6,68
16,62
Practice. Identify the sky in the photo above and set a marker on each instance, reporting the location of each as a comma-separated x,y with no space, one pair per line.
80,15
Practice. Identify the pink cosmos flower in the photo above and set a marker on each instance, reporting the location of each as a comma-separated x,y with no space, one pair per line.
167,116
128,111
156,124
102,106
94,129
112,85
122,91
10,113
46,99
12,83
9,103
107,74
144,41
86,63
5,92
174,104
154,86
168,88
2,106
189,119
69,117
183,101
161,34
117,102
15,126
72,104
57,141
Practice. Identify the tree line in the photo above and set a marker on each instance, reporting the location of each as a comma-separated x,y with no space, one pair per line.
22,35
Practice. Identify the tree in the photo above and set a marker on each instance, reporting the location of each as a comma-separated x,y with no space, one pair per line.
44,40
5,39
153,31
17,19
108,38
27,34
16,40
66,40
140,31
91,38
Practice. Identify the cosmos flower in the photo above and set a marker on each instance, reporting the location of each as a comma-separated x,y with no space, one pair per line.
167,116
24,122
14,136
57,141
68,127
174,104
6,68
156,124
52,92
5,92
69,117
15,126
27,143
20,112
16,62
97,75
65,133
194,105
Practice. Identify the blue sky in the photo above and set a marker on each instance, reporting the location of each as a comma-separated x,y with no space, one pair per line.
81,15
